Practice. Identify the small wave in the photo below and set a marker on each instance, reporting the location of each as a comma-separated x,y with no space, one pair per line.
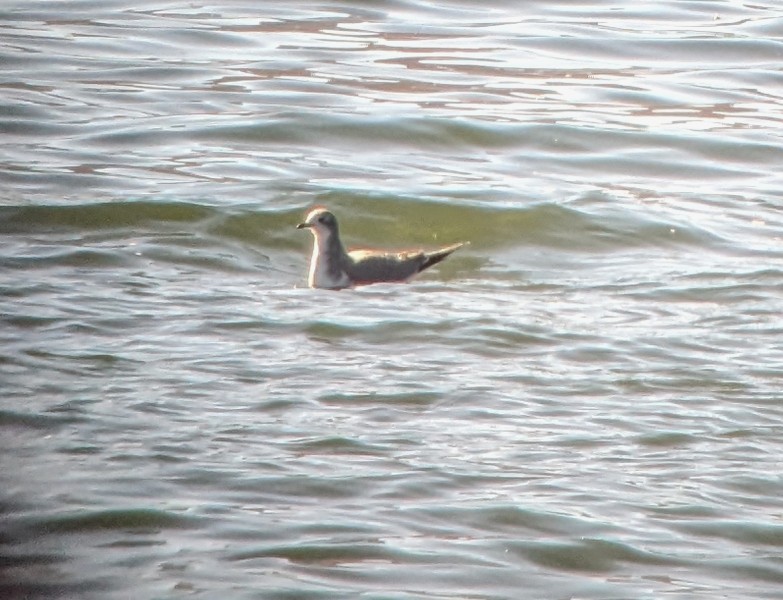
100,216
118,519
590,555
9,418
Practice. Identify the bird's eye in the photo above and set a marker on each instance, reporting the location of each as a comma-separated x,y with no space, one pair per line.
322,219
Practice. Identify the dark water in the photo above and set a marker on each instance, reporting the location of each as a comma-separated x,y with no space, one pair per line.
583,403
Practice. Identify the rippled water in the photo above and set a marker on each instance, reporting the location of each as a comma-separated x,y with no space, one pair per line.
583,403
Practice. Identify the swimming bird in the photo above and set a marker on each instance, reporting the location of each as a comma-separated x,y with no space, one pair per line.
332,267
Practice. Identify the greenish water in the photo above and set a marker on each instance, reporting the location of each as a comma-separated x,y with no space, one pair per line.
583,403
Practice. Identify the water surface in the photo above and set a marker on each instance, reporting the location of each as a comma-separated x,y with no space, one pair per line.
583,403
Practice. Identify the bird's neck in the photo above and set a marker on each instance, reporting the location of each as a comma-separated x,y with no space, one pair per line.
328,247
328,261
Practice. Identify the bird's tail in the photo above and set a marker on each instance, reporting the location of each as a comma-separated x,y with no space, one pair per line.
434,257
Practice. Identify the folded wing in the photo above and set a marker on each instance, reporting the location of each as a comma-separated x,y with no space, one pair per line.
368,266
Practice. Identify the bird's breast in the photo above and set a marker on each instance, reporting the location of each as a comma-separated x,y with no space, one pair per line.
324,275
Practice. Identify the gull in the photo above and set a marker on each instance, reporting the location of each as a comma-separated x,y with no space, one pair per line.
331,267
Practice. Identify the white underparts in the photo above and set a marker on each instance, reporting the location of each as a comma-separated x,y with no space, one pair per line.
320,275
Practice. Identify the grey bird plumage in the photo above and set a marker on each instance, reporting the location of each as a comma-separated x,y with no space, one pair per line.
332,267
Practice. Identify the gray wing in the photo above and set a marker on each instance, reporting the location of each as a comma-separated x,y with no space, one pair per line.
368,266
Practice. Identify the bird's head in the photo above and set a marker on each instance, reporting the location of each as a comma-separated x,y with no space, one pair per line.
320,221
